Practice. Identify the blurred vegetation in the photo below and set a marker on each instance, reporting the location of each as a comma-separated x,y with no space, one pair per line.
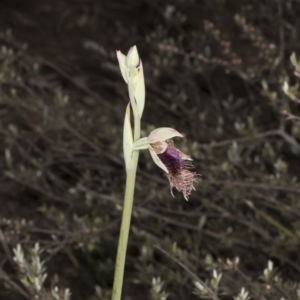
220,71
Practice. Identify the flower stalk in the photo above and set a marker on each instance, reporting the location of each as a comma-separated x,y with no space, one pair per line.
125,226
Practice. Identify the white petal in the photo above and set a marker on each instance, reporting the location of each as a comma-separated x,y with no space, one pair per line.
162,134
157,160
159,147
121,58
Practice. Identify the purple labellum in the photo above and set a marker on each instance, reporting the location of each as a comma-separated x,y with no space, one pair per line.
179,176
172,160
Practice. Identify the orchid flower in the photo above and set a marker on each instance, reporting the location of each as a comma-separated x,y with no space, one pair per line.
175,163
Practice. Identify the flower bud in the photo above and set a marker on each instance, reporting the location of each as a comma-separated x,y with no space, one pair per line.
132,58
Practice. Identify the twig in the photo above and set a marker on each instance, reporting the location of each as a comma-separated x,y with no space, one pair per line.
239,140
19,289
77,83
290,116
5,247
264,186
272,221
279,132
192,274
281,33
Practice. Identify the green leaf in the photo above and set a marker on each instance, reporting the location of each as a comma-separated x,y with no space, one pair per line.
127,138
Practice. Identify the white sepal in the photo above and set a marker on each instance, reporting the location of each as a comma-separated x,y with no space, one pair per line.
122,63
140,144
163,134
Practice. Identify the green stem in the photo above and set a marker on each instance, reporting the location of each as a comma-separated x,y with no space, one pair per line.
126,218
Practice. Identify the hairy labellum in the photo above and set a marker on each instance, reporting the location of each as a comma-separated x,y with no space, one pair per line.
179,176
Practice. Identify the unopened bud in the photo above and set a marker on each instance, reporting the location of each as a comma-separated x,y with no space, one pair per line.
132,58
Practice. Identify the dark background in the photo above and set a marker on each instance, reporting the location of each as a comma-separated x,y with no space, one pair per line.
214,70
